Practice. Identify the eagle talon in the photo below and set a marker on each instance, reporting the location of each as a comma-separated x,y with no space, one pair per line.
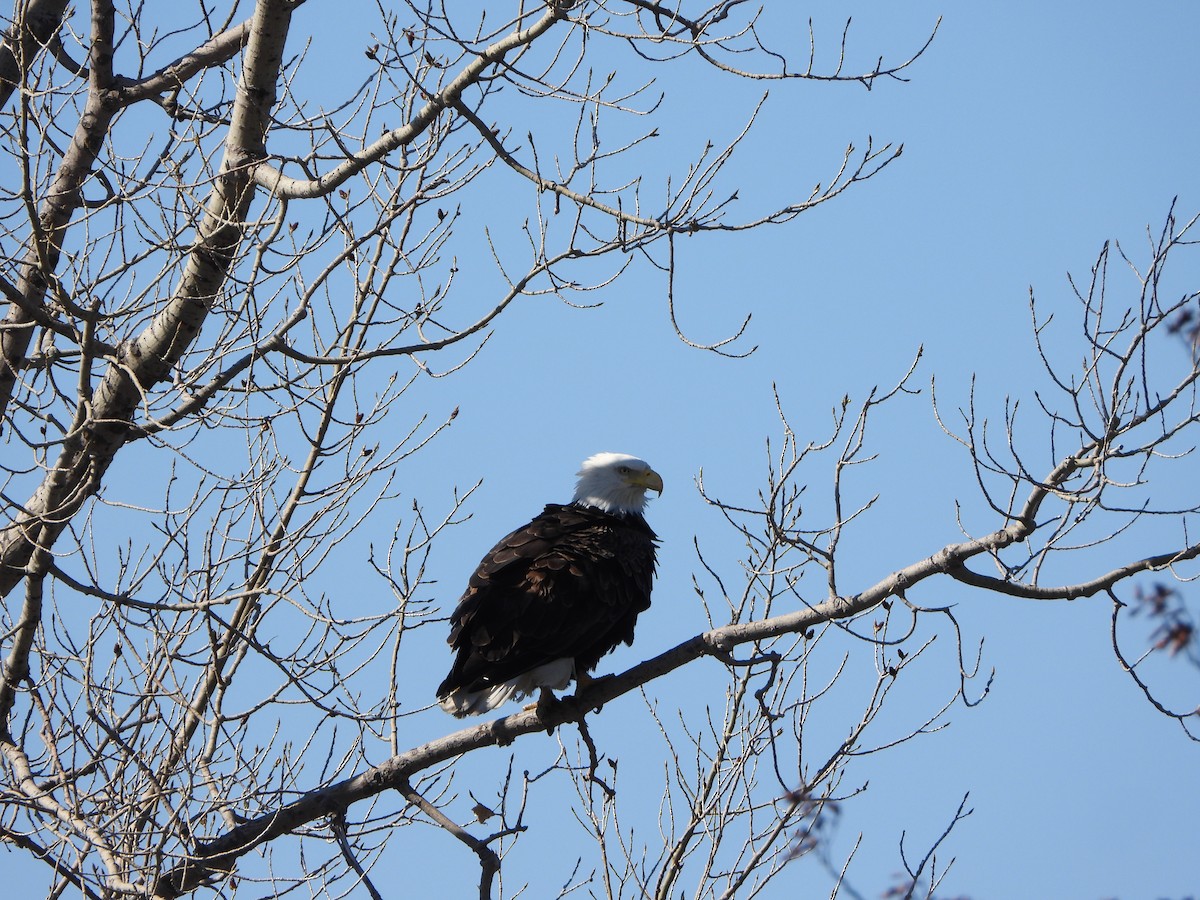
585,682
544,707
545,702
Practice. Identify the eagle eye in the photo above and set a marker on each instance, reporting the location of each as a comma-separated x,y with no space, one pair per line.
624,470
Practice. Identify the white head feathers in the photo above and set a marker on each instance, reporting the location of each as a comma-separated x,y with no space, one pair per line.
616,483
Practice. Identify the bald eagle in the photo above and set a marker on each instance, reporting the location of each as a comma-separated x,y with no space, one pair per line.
557,594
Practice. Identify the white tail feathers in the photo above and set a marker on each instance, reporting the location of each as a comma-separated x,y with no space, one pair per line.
555,675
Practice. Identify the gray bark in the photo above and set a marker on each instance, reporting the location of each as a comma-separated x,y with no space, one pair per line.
103,426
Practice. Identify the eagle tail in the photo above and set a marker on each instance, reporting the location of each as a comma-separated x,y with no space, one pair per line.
460,702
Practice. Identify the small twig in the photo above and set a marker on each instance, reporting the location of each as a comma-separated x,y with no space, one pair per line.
338,824
929,857
489,860
1181,718
593,759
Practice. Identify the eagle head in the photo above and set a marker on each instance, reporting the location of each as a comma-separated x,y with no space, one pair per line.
616,483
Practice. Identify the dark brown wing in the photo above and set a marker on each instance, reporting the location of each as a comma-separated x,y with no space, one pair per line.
570,584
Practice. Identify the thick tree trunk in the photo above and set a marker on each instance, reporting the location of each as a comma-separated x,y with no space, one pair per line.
104,425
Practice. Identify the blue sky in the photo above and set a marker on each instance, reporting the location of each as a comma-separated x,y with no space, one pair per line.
1032,134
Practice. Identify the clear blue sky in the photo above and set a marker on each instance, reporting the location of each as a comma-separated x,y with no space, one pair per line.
1033,132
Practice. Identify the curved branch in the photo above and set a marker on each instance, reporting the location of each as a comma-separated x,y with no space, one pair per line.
280,185
1073,591
218,49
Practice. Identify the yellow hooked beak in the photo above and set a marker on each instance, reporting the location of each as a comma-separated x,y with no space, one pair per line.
648,480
